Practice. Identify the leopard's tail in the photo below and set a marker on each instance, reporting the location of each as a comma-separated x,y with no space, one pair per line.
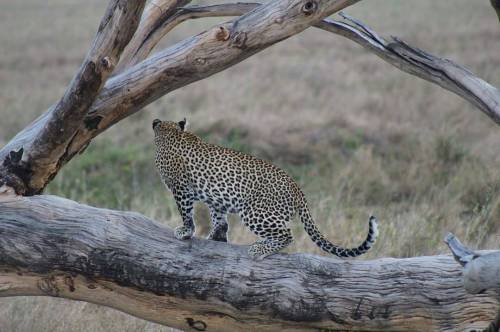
323,243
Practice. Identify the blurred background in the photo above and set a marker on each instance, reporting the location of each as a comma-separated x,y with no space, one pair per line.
359,136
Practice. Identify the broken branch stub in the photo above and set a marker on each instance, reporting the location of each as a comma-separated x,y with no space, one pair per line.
481,271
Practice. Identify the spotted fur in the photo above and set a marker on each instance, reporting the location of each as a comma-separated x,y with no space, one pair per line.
228,181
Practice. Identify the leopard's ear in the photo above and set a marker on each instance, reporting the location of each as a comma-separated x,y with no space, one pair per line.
183,124
156,122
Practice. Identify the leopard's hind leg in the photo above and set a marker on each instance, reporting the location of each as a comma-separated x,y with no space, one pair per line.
263,248
219,225
272,229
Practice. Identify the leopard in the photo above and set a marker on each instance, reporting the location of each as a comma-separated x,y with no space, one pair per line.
264,196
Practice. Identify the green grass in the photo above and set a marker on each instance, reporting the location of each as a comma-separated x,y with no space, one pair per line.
108,175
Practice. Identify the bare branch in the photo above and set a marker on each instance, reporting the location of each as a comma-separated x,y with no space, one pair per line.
227,44
56,247
193,59
42,153
158,27
405,57
461,253
414,61
156,15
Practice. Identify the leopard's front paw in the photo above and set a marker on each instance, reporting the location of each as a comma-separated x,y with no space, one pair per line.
183,233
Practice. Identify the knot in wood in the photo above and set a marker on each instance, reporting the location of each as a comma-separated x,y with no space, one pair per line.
309,7
197,325
68,281
222,34
239,39
15,156
17,174
92,122
48,286
107,63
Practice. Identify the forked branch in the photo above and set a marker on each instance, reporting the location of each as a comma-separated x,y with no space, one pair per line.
193,59
414,61
219,48
398,53
34,163
56,247
156,16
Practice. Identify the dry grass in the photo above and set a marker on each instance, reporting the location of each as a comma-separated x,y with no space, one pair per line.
358,135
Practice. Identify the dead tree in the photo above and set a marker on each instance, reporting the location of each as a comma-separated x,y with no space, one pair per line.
55,247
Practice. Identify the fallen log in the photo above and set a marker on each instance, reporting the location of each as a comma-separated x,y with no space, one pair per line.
50,246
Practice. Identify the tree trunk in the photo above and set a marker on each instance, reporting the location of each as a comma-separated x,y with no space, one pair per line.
56,247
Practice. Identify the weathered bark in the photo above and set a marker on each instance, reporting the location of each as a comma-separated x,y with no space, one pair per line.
156,14
481,272
56,247
414,61
405,57
159,25
208,53
31,166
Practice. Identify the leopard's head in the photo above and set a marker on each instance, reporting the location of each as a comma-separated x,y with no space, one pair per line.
162,128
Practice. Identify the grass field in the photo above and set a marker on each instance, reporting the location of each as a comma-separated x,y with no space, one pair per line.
359,136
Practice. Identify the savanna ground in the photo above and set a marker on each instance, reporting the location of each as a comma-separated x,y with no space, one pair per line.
359,136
